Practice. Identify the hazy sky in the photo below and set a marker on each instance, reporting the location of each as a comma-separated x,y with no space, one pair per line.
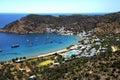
59,6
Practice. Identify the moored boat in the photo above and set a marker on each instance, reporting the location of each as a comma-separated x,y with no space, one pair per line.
15,46
1,50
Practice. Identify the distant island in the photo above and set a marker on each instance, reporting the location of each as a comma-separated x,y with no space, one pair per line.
105,24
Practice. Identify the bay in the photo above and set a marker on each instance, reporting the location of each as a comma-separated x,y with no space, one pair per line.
33,44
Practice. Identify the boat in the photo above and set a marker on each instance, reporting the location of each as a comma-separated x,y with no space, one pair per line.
0,50
15,46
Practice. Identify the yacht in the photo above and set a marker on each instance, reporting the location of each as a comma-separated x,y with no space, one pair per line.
15,46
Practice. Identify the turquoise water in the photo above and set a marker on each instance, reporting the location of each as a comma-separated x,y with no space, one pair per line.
70,53
32,44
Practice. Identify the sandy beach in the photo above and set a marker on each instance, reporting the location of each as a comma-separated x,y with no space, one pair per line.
54,52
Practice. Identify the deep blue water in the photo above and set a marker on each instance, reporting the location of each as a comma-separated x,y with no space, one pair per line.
6,18
32,44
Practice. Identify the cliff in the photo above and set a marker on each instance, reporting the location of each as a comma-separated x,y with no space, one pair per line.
109,23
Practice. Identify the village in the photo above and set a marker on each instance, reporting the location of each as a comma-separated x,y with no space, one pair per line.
88,46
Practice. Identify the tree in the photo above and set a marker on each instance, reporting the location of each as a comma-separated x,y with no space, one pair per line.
59,59
13,60
16,58
19,75
20,58
73,56
24,57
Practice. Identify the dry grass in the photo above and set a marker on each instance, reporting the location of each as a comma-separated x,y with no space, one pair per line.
44,63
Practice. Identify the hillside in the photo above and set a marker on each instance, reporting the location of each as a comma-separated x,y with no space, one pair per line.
109,23
103,65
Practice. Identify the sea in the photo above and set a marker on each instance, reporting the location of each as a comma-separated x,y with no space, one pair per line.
32,44
29,44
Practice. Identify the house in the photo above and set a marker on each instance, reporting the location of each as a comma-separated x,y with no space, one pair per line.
83,47
74,47
83,33
53,30
56,64
32,77
48,30
61,30
118,39
88,47
103,50
97,43
17,61
22,69
92,51
97,40
86,41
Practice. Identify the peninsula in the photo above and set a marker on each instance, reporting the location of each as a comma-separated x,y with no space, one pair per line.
105,24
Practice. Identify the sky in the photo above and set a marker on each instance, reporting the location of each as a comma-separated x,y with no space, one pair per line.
59,6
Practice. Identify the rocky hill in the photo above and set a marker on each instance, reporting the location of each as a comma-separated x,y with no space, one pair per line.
109,23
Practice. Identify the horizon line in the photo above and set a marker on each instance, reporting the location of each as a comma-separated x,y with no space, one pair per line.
57,12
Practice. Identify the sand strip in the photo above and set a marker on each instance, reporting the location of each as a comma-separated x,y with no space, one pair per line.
54,52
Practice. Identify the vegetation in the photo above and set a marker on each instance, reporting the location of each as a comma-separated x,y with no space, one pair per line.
103,24
45,63
104,66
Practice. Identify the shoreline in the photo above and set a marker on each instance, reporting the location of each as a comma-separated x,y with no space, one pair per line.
60,51
47,54
42,55
51,53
